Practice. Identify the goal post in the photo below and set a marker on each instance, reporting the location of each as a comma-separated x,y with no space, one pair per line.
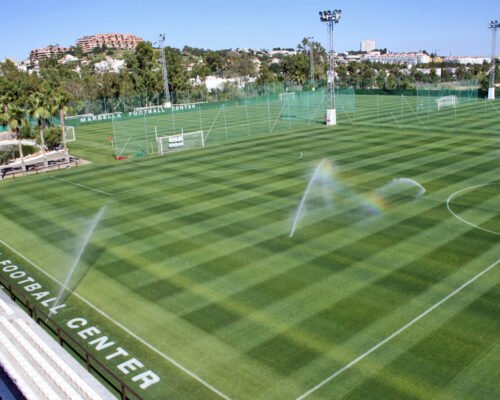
446,101
182,141
434,97
69,134
286,96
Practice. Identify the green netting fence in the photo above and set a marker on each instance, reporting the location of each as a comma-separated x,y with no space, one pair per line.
431,97
136,132
278,109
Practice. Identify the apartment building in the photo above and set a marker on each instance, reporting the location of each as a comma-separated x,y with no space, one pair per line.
47,52
124,41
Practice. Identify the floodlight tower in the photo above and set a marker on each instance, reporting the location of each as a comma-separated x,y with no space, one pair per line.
331,18
161,41
494,25
311,55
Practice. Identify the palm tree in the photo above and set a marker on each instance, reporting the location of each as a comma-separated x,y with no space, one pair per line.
299,77
11,114
59,102
39,111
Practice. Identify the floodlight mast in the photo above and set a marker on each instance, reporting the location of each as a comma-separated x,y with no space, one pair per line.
161,41
494,25
331,18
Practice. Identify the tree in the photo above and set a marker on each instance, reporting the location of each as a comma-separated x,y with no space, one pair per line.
53,136
177,75
243,66
200,70
342,75
277,68
145,70
391,82
380,79
11,115
214,61
446,75
38,109
433,76
60,103
484,82
367,78
296,68
266,75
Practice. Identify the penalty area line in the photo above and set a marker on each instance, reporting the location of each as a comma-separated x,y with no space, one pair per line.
398,332
82,186
122,327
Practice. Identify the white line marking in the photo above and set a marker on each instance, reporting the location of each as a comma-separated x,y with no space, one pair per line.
399,331
464,220
82,186
125,329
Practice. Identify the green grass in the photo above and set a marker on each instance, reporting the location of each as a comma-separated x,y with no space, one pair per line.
194,256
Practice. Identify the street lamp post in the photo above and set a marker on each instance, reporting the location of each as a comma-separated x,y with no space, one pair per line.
494,25
331,18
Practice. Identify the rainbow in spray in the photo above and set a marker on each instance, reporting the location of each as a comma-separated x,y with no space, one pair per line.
324,180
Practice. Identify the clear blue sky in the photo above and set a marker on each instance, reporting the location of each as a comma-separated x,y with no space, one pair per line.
451,26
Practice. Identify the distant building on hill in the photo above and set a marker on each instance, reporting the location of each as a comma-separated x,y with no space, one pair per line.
367,45
467,60
398,58
47,52
123,41
109,65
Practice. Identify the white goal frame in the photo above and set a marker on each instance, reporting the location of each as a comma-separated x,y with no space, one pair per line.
182,141
287,95
446,101
69,134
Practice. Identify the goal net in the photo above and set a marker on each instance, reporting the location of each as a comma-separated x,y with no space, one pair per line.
446,101
431,97
69,134
182,141
286,97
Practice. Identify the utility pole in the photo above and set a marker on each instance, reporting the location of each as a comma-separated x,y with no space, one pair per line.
161,41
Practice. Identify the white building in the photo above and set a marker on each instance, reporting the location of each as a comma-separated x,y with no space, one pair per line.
215,83
23,66
467,60
367,45
68,58
273,53
427,71
346,58
109,65
399,58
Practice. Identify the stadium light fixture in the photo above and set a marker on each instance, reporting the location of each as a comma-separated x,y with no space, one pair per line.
331,18
494,25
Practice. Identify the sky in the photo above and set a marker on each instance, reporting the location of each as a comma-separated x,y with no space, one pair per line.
455,27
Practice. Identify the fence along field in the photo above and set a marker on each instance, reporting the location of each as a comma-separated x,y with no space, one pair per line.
135,132
194,256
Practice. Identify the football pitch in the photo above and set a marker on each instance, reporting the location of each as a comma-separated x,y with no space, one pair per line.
192,269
